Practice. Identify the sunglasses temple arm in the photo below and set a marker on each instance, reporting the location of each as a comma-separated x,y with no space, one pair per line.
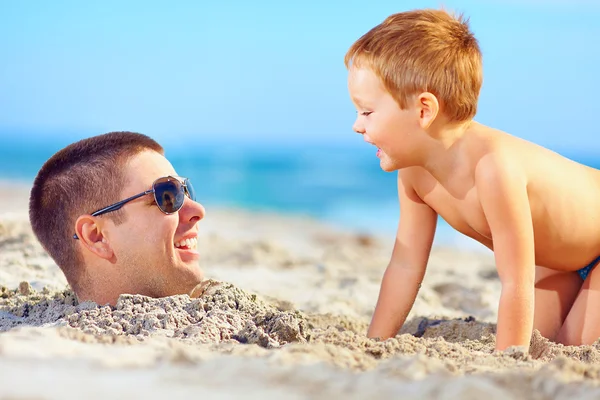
116,206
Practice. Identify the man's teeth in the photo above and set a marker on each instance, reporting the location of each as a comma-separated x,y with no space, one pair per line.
189,243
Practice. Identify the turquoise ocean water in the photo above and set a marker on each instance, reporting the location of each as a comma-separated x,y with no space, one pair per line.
340,184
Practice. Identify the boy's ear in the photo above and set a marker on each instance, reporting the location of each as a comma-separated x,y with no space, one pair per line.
428,108
91,237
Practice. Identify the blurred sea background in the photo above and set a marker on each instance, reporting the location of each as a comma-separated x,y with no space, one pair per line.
250,99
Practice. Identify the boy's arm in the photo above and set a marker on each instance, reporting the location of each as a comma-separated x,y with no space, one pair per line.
406,269
502,190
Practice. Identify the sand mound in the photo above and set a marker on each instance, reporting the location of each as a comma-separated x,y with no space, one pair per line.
454,356
224,313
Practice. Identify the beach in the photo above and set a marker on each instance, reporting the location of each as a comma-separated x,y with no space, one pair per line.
283,314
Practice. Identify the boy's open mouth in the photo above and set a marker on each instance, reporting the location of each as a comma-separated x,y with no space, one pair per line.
379,151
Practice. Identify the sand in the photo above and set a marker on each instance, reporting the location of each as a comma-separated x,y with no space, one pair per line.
284,315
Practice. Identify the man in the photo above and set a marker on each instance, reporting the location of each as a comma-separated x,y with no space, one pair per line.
115,217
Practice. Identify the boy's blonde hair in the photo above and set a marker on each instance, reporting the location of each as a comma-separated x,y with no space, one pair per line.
424,50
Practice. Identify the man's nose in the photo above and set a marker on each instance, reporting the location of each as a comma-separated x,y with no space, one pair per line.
191,211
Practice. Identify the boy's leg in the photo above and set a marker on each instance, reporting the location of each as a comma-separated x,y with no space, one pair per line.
582,325
555,293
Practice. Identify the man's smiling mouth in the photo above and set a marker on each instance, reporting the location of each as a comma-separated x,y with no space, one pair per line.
187,244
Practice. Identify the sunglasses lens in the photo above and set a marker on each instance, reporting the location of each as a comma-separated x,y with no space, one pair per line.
190,189
169,195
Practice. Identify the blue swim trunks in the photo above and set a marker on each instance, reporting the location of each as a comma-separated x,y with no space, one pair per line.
583,272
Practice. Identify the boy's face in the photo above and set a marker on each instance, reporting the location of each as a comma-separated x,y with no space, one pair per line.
144,245
381,121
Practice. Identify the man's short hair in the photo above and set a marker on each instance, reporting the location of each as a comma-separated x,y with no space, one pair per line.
424,50
77,180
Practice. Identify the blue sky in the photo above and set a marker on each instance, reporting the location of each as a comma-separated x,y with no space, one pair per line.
272,71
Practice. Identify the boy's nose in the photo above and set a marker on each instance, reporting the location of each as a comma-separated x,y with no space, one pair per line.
358,127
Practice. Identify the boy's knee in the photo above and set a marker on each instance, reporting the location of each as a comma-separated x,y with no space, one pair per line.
573,337
563,337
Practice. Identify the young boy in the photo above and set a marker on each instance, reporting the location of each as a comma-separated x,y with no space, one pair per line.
415,81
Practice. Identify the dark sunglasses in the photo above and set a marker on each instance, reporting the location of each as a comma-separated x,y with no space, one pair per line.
169,194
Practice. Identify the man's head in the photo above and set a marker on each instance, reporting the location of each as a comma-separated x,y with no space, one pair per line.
135,249
424,65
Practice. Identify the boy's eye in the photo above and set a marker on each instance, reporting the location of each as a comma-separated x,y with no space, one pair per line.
366,113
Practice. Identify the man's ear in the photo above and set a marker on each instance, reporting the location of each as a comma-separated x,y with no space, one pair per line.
90,235
428,108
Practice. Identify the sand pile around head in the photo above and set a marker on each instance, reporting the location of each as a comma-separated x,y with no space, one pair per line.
223,313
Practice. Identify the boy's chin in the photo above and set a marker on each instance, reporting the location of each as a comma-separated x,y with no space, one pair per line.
389,166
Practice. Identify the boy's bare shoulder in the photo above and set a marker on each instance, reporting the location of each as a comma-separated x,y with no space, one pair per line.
505,146
494,151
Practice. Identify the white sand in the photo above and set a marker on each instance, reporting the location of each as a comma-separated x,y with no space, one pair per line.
286,318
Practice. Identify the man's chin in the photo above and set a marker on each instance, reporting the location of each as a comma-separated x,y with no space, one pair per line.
196,273
186,278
